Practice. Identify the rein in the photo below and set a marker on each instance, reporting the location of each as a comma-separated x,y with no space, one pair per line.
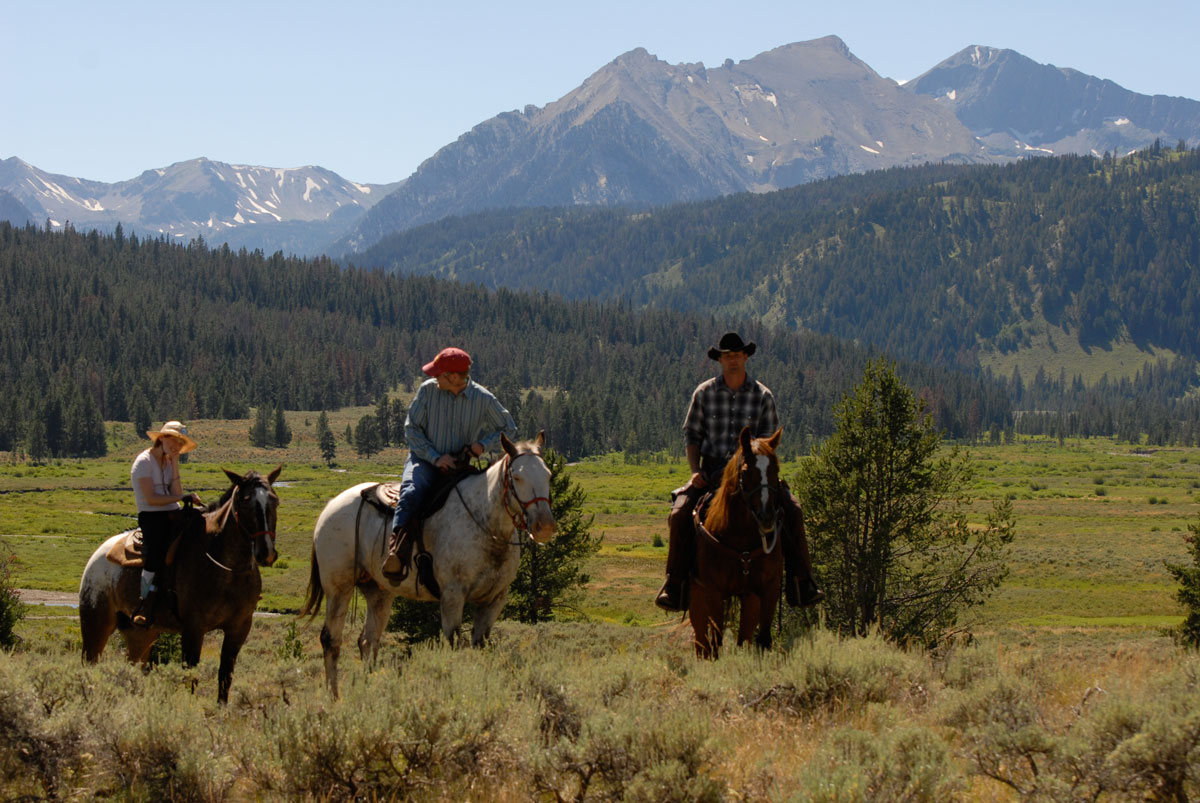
746,558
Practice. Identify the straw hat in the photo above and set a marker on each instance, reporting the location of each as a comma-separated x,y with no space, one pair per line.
175,430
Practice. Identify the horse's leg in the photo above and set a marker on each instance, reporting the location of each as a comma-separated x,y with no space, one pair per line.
96,624
379,605
485,616
231,645
337,604
756,613
452,600
191,642
707,615
138,643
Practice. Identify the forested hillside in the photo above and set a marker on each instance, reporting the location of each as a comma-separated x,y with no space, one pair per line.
936,264
113,327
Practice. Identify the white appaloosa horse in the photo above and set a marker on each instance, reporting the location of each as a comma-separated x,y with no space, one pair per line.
474,540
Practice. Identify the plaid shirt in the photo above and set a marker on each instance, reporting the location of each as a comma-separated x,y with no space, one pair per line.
717,414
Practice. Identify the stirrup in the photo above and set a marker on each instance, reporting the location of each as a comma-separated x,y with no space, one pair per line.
143,616
668,601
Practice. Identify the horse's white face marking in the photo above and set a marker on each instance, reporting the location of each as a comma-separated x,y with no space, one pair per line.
762,462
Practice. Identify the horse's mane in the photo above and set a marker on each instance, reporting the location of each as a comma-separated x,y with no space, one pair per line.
717,518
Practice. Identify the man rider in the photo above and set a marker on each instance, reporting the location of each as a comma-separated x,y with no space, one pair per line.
450,417
719,409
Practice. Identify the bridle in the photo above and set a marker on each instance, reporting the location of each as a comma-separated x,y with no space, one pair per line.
519,517
250,536
748,497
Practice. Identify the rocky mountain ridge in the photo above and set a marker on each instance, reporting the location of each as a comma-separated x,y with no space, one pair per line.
220,202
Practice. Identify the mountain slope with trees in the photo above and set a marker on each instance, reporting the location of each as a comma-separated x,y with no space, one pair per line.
936,264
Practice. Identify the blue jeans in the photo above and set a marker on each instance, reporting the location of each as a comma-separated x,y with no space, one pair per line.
419,476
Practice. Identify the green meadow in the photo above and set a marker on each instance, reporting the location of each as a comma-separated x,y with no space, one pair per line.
1095,520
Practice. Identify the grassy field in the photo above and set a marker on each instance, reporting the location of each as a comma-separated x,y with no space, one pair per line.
1068,690
1095,520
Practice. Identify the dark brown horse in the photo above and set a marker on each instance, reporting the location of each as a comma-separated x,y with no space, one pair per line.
737,548
217,582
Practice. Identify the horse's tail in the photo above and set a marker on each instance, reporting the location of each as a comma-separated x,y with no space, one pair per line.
316,592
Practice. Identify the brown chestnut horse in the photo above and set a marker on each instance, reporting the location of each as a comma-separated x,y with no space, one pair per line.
217,582
738,553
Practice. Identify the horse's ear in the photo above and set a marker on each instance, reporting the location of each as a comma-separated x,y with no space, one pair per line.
744,440
541,438
773,441
234,478
274,474
508,445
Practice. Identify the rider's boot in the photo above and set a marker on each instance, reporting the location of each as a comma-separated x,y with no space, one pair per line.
800,586
143,617
673,596
399,558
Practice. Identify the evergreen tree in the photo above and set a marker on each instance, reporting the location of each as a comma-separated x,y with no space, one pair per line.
366,437
281,432
261,431
12,610
398,416
383,415
886,512
35,440
325,439
551,577
1188,594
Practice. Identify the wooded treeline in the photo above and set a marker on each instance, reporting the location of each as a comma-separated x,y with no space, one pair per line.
121,328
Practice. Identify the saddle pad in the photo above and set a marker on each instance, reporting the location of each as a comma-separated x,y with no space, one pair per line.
127,551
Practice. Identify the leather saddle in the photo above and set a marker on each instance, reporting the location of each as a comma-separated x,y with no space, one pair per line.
383,496
127,551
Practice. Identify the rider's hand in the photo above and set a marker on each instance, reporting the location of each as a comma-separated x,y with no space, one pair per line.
698,480
476,449
444,463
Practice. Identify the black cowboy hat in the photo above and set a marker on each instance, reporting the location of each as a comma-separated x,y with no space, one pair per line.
731,341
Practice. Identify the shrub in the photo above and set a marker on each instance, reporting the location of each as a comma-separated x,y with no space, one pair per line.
906,763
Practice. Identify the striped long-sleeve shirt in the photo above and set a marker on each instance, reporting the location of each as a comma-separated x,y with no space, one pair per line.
440,422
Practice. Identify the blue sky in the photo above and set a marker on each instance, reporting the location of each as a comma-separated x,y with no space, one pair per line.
371,89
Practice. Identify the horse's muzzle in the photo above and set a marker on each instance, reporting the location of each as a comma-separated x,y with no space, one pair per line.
543,529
